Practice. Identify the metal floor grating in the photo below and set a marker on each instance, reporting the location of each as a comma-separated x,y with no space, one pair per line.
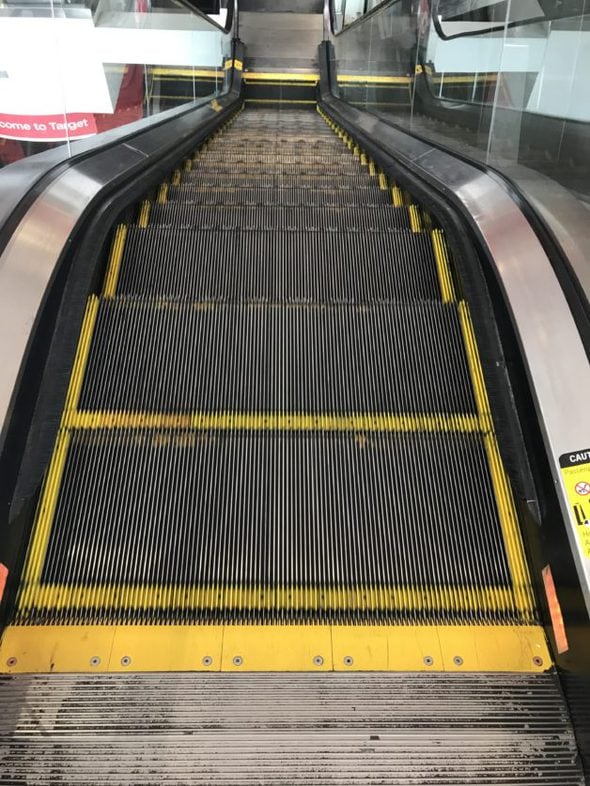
234,730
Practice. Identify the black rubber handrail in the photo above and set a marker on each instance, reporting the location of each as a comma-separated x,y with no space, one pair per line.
497,28
22,181
361,19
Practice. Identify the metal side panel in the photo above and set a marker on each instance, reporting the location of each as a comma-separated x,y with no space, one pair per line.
286,729
554,355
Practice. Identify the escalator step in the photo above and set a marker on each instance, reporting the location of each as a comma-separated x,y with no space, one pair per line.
313,180
294,195
278,155
278,266
339,171
224,510
316,146
366,218
179,357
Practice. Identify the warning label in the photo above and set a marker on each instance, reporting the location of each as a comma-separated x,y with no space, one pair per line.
575,470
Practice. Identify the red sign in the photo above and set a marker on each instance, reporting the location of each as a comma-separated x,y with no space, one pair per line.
47,128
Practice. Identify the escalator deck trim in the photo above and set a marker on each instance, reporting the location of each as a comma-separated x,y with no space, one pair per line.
267,648
392,613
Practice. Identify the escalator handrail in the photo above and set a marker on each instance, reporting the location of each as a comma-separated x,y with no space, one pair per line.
487,31
22,181
60,200
540,312
357,22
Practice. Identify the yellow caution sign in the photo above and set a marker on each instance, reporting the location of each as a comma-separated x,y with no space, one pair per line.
575,470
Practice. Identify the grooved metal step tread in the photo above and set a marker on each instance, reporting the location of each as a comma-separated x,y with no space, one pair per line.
224,155
283,145
263,509
301,128
278,266
339,171
296,729
153,356
368,218
316,179
282,195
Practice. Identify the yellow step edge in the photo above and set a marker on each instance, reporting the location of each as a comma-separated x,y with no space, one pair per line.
373,79
397,196
114,263
82,353
273,421
163,194
50,492
502,491
462,80
144,214
44,520
443,267
278,101
475,369
521,580
188,72
415,220
280,76
399,598
253,648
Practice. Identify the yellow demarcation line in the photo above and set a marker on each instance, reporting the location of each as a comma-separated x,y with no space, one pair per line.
44,520
443,267
114,265
186,72
280,77
243,597
278,101
475,369
383,181
81,359
373,79
248,421
519,571
49,495
176,177
163,194
463,80
274,647
397,196
415,220
144,214
503,493
52,485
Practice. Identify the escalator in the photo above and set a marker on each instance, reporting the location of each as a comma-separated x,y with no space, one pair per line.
277,475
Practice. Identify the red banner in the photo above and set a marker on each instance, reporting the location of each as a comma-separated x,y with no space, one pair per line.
47,128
